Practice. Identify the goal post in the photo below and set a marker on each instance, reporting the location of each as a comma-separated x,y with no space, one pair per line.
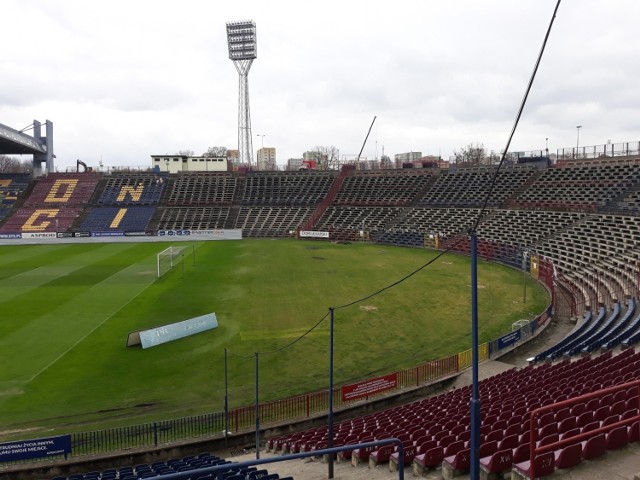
168,258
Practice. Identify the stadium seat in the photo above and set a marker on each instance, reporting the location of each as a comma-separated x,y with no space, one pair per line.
617,438
457,464
594,447
498,462
568,457
544,465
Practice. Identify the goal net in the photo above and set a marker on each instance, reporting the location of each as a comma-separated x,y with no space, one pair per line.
168,258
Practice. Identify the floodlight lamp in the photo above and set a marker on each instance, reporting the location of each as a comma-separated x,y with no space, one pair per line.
241,39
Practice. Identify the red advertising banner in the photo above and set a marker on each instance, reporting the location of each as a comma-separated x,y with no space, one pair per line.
369,387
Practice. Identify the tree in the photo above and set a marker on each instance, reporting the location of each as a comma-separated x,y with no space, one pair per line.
327,157
471,154
14,165
185,153
215,152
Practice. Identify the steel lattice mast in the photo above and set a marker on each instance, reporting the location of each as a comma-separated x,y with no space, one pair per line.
241,38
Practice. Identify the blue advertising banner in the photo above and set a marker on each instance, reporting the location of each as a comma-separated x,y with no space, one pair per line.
508,339
107,234
40,447
174,331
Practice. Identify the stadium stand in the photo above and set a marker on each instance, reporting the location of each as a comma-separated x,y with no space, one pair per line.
197,218
587,186
581,216
202,188
467,187
62,189
129,219
53,205
435,430
191,463
273,221
128,189
380,188
286,188
12,186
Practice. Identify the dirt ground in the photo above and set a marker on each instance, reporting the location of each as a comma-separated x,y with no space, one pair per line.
619,465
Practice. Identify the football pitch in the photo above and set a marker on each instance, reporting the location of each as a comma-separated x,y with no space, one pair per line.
67,311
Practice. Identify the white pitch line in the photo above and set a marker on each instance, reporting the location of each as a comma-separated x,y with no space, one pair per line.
88,333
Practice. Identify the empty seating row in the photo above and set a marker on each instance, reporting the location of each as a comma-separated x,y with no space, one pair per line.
398,187
39,220
129,219
438,428
60,189
356,219
132,189
192,463
469,187
273,221
12,185
191,218
286,188
589,184
200,188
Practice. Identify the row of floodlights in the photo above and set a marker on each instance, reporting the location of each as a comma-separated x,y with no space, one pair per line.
241,38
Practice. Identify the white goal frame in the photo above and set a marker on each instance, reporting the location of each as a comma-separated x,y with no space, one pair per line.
168,255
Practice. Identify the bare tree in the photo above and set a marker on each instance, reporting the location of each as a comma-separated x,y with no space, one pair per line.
186,153
215,152
14,165
471,154
327,157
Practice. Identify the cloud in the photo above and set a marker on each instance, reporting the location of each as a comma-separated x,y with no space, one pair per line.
128,79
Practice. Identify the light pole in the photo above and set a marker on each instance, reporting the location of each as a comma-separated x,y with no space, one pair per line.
226,401
578,127
257,412
262,139
546,145
524,276
243,50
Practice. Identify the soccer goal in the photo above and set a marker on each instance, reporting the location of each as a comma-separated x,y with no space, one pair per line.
168,258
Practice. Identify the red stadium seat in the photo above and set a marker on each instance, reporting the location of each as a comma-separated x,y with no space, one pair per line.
544,465
617,438
594,447
569,456
498,462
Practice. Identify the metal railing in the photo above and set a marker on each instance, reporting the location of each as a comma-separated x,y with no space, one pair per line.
535,450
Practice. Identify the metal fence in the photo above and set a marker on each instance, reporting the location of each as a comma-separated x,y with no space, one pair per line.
608,150
147,434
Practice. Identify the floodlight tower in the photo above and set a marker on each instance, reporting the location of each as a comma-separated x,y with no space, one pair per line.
241,38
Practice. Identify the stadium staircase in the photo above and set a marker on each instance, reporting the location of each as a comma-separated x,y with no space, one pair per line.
512,200
331,195
419,195
234,210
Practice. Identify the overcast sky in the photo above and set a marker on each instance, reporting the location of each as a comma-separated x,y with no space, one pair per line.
122,80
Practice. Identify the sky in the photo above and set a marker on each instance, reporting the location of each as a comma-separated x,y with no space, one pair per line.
122,80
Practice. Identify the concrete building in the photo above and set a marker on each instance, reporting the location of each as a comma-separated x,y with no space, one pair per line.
183,163
266,158
294,163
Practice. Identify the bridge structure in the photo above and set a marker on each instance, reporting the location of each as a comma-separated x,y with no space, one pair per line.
14,142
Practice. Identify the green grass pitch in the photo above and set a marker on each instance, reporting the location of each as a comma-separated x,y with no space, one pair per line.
66,311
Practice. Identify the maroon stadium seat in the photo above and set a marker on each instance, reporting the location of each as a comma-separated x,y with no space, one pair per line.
569,456
594,447
544,465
